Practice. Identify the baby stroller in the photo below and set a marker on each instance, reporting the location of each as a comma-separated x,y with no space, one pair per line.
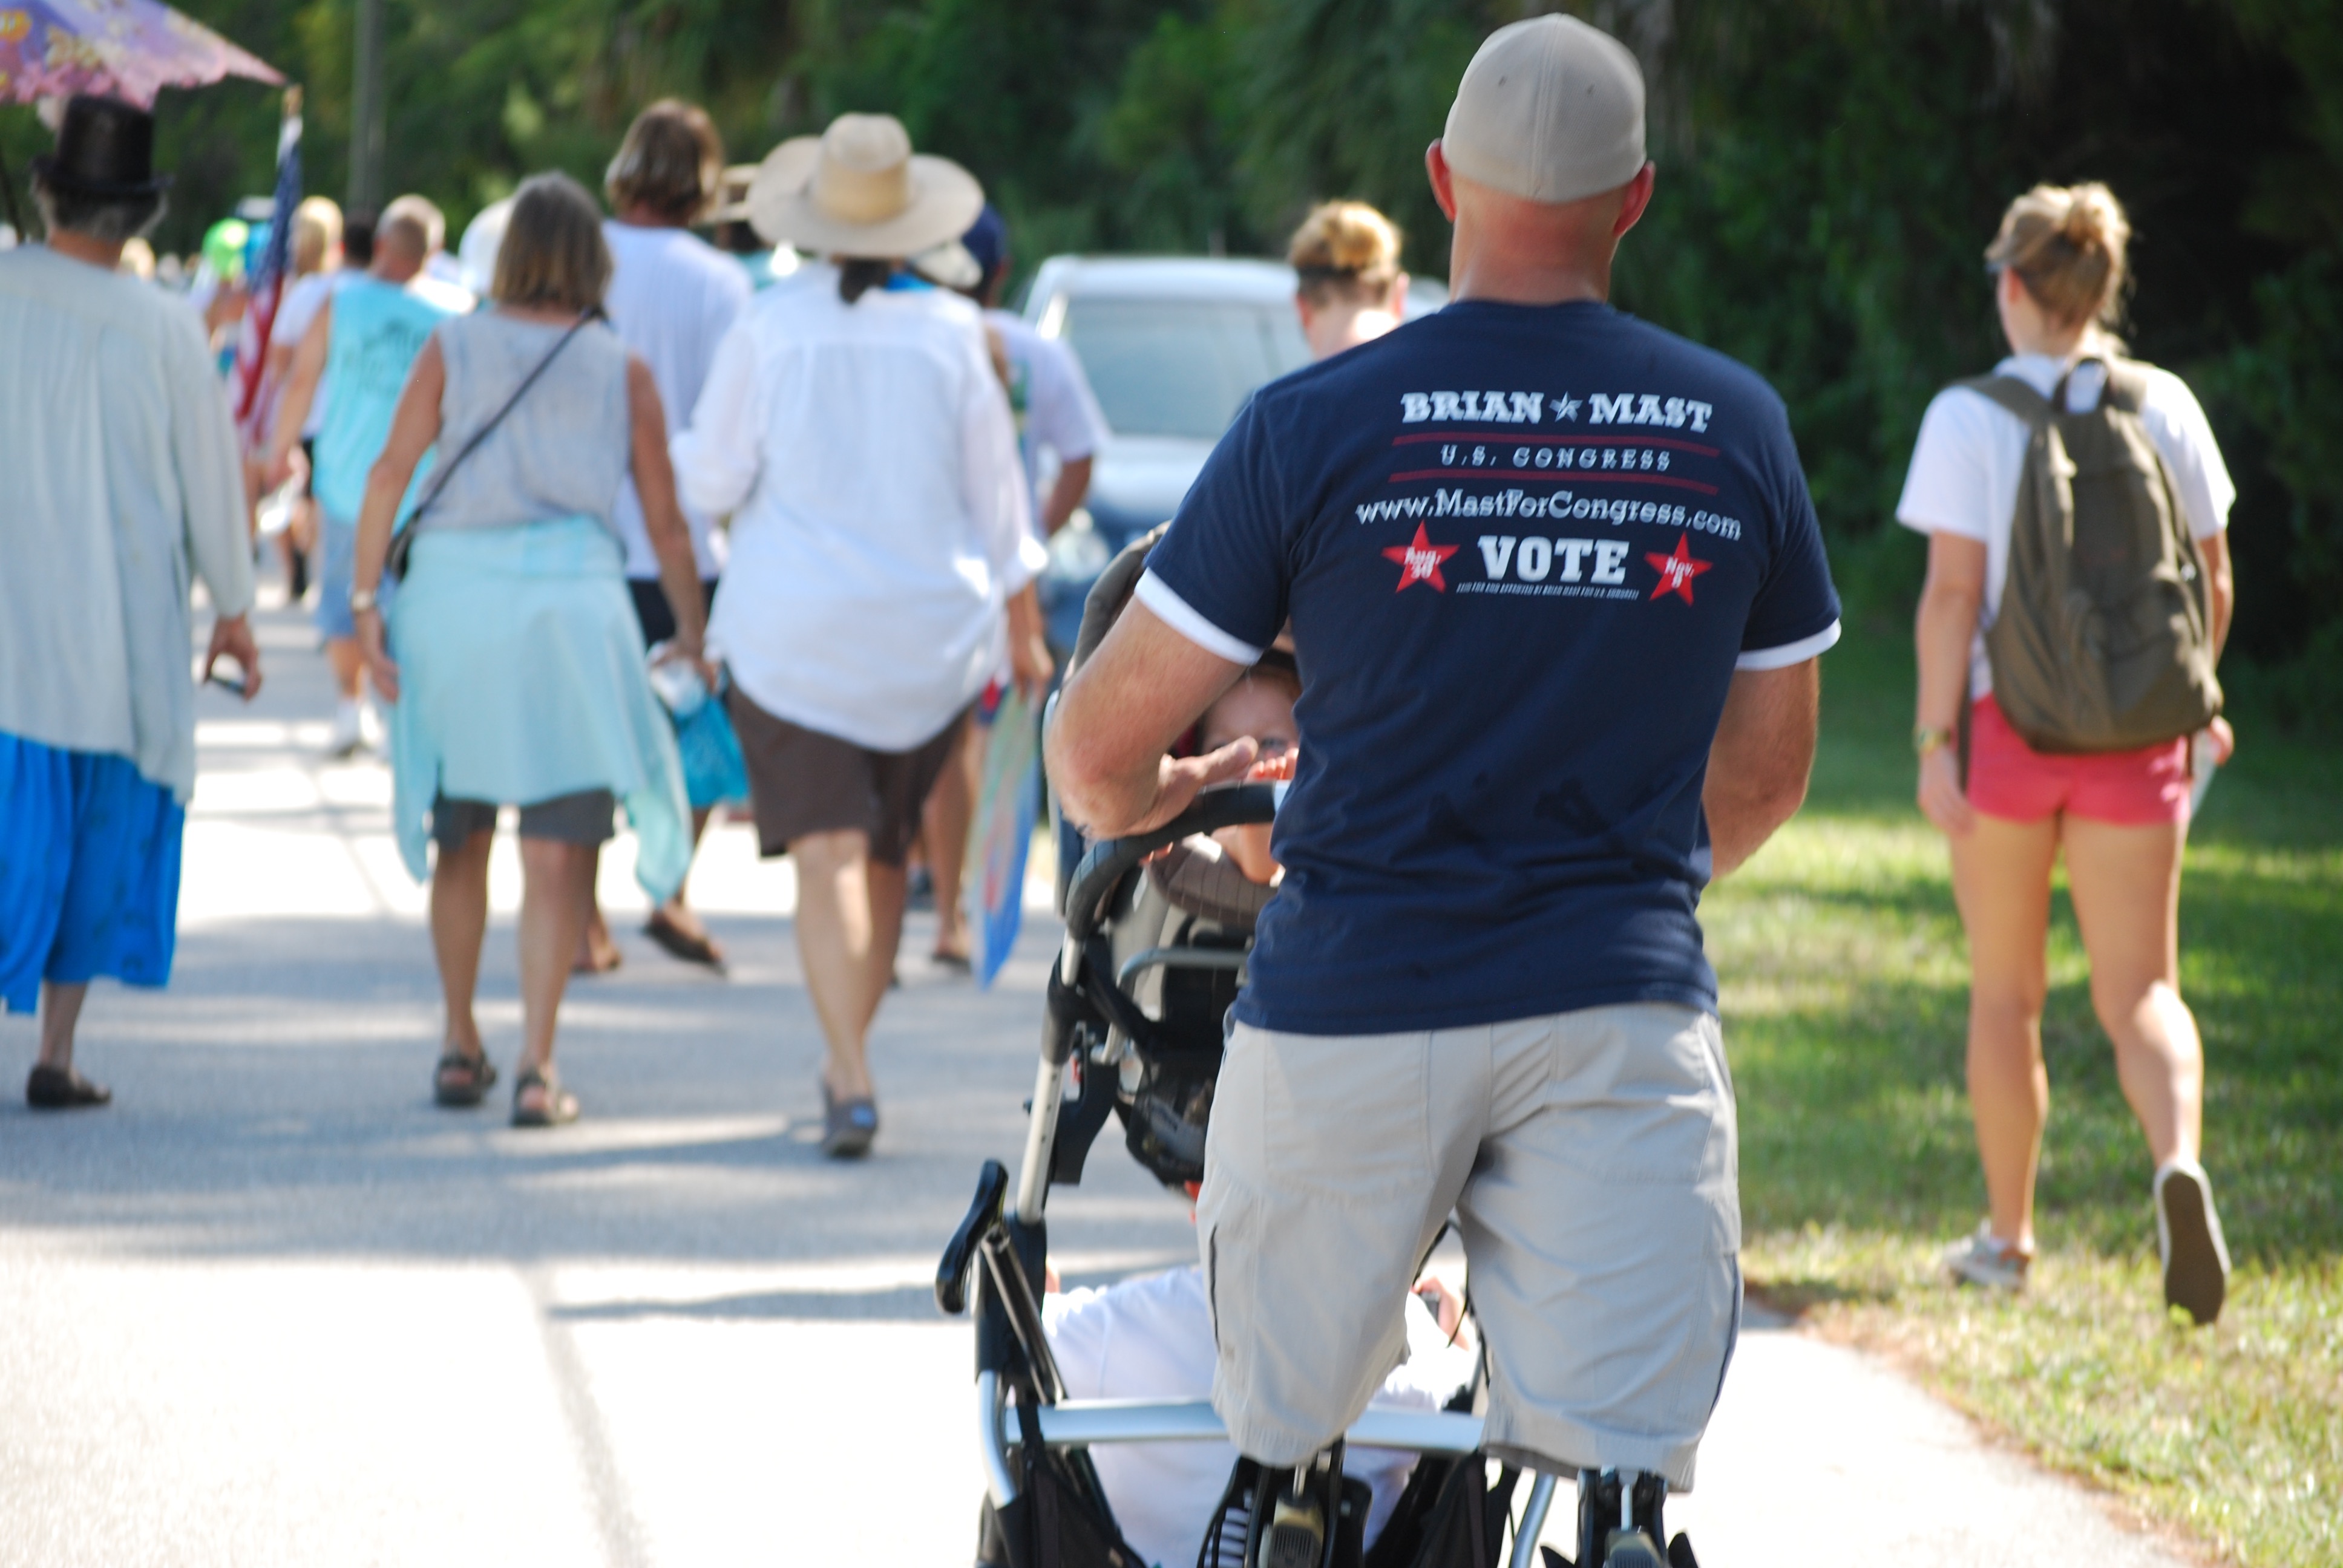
1153,956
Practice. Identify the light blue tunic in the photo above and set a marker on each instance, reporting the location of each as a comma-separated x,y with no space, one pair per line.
520,672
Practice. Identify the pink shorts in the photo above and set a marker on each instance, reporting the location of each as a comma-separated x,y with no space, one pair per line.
2010,780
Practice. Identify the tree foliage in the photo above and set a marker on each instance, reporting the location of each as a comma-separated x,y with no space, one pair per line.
1830,172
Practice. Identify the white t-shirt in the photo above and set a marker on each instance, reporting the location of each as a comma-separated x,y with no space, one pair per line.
673,296
1055,407
1966,466
880,513
1152,1338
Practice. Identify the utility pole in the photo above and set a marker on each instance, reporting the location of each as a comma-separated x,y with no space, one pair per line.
367,112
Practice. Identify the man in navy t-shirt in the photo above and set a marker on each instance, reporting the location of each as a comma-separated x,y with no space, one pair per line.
1557,593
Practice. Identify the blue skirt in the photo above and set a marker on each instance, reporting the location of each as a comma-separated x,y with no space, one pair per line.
89,871
521,669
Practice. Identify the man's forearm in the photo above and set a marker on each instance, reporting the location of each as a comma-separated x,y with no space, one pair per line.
1740,820
1104,803
1759,762
1073,482
1025,612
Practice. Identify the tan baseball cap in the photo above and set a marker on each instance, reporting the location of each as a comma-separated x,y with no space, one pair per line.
1550,110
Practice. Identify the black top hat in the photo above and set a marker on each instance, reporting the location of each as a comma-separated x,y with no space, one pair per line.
105,148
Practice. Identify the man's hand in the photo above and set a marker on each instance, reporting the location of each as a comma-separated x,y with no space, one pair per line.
1030,664
282,466
375,649
1119,717
1180,779
232,637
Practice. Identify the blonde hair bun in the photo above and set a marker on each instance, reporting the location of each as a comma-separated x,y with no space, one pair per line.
1346,246
2068,244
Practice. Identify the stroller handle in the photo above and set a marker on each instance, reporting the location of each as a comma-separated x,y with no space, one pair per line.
1103,865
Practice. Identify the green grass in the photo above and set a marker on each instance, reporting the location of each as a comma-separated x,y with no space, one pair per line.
1844,980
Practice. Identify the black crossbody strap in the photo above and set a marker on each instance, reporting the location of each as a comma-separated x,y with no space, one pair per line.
404,543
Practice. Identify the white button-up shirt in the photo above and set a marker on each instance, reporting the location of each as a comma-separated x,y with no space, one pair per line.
880,518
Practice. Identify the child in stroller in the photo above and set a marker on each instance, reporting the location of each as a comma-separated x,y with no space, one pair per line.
1151,1337
1154,955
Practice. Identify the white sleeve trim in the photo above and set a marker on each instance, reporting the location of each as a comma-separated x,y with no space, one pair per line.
1789,653
1184,618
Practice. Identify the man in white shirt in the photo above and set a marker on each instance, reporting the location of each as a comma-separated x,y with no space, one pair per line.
1057,415
672,299
1056,411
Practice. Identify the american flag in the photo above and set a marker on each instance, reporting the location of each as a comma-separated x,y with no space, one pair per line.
268,281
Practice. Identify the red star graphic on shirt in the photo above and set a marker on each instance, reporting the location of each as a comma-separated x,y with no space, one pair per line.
1419,562
1678,571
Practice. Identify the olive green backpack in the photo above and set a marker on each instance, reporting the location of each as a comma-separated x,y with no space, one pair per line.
2104,641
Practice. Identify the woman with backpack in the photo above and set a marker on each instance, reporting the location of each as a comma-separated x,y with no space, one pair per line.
519,678
2078,592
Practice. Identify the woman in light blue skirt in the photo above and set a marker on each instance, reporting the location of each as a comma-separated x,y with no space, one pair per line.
509,653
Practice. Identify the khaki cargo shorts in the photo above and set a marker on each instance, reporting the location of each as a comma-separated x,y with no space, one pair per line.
1590,1160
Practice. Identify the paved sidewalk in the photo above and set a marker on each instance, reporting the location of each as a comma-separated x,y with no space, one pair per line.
274,1307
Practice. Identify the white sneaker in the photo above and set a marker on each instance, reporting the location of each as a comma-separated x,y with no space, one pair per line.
349,734
2189,1239
369,727
1984,1260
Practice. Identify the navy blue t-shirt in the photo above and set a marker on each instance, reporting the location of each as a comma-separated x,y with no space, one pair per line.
1523,549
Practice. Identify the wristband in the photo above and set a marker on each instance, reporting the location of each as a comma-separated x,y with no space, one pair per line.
1924,739
361,601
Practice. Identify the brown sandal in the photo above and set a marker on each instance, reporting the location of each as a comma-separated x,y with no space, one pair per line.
559,1107
681,943
463,1080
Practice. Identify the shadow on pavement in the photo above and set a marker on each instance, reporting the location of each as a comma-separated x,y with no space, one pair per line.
274,1102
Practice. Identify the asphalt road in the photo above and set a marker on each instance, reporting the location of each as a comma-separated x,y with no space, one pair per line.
274,1307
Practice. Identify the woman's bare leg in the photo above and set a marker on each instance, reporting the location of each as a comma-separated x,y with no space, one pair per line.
2126,883
677,910
849,921
944,824
2001,878
459,920
597,951
349,667
555,881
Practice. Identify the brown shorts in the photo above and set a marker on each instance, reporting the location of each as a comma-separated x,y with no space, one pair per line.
802,781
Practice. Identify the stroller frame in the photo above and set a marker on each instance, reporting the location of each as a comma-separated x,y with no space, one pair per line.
1000,1245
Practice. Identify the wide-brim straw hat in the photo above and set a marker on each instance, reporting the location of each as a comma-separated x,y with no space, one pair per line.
858,190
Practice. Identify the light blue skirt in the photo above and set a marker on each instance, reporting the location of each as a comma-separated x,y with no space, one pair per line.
520,673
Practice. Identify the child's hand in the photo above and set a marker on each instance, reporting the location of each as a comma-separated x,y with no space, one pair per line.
1274,768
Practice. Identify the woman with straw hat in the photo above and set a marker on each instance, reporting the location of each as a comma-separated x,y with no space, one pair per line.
882,551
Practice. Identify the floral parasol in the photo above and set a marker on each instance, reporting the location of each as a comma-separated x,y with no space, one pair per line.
127,49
